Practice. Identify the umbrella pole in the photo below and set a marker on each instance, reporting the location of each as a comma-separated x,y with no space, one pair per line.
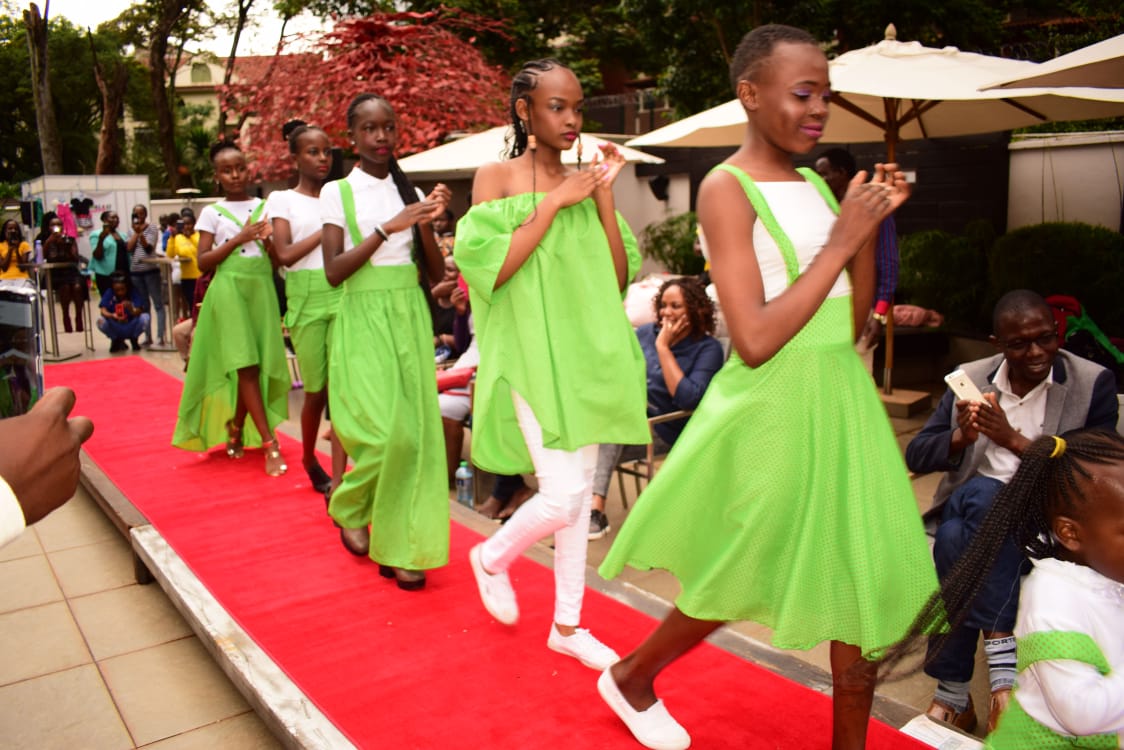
888,368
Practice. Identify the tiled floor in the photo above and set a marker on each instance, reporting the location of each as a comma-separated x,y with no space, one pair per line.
89,659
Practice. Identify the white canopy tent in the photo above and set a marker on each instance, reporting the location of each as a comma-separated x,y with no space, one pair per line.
1099,65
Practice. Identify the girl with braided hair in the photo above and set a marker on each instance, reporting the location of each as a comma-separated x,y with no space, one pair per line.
785,501
378,244
1065,508
546,257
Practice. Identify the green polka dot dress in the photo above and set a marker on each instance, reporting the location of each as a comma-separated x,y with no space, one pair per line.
786,500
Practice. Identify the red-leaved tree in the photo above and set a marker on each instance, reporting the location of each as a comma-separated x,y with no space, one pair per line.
437,83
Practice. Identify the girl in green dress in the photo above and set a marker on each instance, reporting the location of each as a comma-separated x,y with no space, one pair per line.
312,301
546,257
377,237
786,500
238,355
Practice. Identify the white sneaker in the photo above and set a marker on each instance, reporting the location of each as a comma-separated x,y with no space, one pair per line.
653,727
583,647
495,590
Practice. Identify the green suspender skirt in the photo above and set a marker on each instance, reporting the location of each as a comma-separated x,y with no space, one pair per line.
384,410
786,500
239,326
311,310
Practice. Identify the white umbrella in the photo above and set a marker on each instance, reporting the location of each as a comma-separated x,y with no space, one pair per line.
462,157
1099,65
894,91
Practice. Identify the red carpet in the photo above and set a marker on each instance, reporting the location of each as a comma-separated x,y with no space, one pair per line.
393,669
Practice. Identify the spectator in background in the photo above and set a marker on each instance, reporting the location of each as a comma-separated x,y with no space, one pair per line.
145,275
15,253
184,246
67,281
109,252
836,166
682,356
122,314
445,228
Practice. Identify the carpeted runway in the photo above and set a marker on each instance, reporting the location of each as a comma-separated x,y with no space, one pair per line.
394,669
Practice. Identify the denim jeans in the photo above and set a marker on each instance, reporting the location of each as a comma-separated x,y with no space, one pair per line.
151,290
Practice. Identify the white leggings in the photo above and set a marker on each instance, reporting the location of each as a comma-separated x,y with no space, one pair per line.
560,507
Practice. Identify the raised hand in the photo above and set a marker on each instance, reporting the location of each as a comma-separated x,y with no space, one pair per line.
575,188
412,214
607,164
440,197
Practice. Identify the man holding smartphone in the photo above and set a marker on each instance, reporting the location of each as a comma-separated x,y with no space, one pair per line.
1031,388
145,275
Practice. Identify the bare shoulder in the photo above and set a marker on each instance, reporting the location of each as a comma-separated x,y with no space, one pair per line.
721,196
492,181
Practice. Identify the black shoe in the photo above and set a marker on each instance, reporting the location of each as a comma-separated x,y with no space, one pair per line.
321,482
117,345
135,343
598,524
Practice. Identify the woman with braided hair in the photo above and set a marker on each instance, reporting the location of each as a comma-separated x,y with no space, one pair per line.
378,244
1065,508
546,257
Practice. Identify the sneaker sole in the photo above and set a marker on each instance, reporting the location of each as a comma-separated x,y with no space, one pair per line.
479,574
595,535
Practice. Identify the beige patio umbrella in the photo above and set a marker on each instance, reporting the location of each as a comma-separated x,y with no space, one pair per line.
894,91
462,157
1100,65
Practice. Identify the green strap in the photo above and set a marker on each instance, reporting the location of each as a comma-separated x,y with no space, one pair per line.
761,206
1055,645
347,197
255,215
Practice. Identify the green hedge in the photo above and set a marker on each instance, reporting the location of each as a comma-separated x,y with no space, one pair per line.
672,243
962,276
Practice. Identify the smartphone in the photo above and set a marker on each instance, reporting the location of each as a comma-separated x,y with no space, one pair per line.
963,387
179,226
119,308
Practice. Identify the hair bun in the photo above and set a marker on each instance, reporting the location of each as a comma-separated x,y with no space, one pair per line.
288,128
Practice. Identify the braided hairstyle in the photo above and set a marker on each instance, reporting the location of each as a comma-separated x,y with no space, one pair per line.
406,191
754,49
1047,484
524,82
294,129
699,306
220,146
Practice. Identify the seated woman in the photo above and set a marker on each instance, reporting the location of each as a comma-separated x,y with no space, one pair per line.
682,356
122,314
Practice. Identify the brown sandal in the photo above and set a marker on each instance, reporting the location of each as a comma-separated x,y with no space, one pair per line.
233,440
274,461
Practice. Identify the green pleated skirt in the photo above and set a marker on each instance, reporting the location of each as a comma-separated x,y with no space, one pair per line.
786,501
239,326
384,410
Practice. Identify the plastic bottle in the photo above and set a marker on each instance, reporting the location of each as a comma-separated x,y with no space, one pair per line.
38,251
464,484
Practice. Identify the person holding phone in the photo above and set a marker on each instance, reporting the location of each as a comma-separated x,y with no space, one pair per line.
1031,388
67,281
122,314
109,251
184,246
146,277
15,253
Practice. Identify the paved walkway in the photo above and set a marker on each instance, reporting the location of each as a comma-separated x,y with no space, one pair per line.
90,659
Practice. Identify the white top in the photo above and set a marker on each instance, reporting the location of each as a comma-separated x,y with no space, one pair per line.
224,229
1026,415
303,214
12,522
376,201
807,220
1072,697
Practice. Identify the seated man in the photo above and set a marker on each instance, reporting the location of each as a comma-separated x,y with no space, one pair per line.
682,356
1032,389
123,315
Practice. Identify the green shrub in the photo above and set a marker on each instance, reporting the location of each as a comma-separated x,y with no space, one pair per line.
672,243
947,273
1081,260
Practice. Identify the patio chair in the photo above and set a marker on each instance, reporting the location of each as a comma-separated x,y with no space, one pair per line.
645,466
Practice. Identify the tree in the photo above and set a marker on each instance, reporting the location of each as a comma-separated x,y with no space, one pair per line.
50,143
436,83
239,23
113,83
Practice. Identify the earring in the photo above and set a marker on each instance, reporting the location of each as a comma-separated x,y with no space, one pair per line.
532,144
579,152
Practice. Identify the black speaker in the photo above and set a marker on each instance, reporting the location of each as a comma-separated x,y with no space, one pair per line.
658,186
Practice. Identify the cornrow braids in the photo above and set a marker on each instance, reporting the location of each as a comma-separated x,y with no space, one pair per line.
1046,485
700,308
524,82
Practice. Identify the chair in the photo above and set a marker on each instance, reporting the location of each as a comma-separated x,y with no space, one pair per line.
645,466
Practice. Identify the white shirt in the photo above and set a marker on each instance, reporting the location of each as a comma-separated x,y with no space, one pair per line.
12,522
224,229
376,201
303,214
1025,415
1067,696
807,220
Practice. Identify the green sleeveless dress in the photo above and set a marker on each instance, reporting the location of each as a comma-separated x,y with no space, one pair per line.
1018,730
384,410
786,500
239,326
556,333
